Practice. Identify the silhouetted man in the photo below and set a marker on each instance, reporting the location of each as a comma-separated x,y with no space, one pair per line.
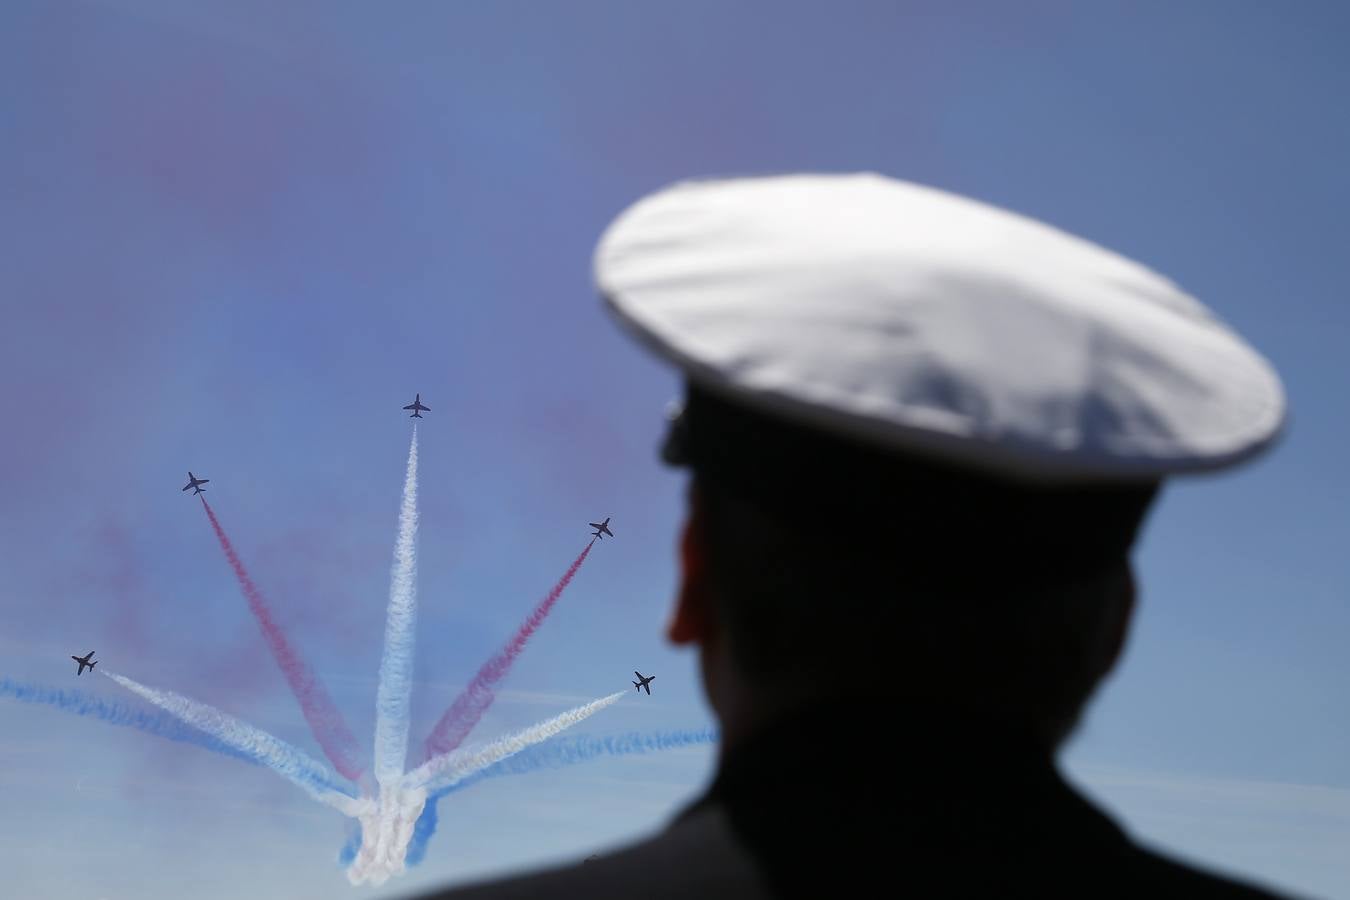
923,435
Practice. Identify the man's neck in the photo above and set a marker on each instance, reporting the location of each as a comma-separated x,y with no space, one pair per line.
924,725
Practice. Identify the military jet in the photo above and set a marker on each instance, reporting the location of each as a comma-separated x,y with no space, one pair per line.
417,408
643,683
85,663
195,482
601,527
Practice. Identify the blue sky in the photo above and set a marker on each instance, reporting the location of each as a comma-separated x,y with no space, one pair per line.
238,239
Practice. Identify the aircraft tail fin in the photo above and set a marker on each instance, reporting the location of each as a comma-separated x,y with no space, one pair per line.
92,664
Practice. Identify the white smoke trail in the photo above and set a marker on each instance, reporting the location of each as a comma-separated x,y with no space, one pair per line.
298,767
449,769
386,830
387,827
392,699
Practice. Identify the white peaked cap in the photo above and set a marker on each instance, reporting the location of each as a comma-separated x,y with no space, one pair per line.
914,319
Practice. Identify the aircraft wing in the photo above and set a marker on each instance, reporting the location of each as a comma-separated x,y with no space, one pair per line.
411,406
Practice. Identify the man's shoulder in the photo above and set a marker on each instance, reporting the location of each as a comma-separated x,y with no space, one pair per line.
1152,873
698,856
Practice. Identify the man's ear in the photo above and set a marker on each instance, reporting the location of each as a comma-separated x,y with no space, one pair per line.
692,621
1126,589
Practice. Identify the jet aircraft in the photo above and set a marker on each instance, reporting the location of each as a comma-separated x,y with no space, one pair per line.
417,408
85,663
601,527
195,482
643,683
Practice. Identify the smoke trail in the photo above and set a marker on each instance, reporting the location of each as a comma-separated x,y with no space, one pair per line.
353,845
406,815
325,722
457,721
387,824
396,667
426,825
570,751
448,769
308,774
555,754
157,723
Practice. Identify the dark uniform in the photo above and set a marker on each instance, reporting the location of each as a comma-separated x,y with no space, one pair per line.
1002,362
811,809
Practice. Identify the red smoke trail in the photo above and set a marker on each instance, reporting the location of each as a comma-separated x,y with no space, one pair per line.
456,723
327,724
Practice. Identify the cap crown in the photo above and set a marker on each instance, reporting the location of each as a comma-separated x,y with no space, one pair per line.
916,319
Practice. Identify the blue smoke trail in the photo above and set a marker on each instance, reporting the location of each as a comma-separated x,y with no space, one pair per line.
426,824
160,724
353,845
555,754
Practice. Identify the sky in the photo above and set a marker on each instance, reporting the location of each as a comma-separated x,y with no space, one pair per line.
237,238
